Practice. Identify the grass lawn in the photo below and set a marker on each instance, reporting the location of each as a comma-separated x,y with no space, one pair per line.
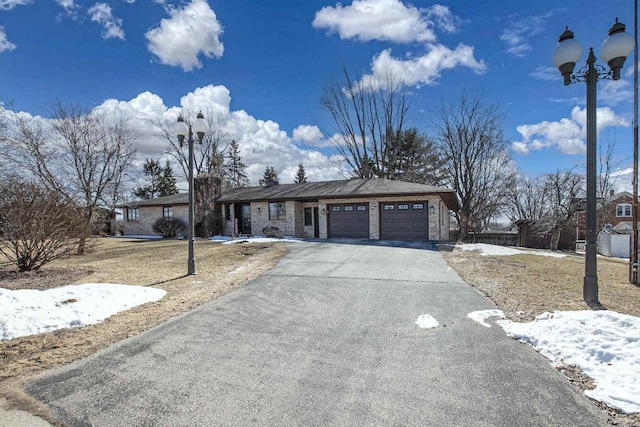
524,286
158,263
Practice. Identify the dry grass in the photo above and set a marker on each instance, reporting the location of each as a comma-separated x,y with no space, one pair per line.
524,286
157,263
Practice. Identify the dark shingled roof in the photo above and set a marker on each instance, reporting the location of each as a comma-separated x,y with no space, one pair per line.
354,188
312,191
174,199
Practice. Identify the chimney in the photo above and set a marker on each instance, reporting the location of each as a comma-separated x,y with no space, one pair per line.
611,192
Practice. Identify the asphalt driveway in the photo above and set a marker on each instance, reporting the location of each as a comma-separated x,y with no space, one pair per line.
328,337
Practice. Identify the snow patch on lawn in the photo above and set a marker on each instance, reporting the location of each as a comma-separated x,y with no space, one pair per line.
27,311
261,240
496,250
426,321
604,344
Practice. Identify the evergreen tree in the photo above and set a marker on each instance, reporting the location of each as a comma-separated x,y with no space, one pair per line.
161,181
270,174
413,157
235,169
167,183
301,175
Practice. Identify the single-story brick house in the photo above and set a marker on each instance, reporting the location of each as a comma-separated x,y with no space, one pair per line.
139,216
358,208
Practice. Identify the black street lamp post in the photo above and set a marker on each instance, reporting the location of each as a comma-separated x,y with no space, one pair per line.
614,51
183,131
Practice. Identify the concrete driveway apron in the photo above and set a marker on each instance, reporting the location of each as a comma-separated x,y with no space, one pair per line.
328,337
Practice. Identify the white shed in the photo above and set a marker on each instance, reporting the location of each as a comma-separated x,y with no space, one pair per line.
613,243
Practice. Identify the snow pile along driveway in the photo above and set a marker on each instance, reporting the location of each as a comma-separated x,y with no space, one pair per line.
604,344
27,312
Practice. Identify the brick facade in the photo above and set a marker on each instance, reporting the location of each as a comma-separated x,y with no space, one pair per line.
147,215
294,226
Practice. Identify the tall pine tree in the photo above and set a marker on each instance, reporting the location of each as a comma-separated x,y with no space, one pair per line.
161,181
235,168
301,175
270,174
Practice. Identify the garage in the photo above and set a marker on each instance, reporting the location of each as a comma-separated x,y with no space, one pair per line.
404,221
348,221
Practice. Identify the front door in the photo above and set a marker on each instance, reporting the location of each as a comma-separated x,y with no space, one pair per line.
316,226
246,219
242,218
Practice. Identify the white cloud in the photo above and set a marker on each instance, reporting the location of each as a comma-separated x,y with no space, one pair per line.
262,143
311,135
10,4
215,99
546,73
189,31
613,92
388,20
4,43
68,5
520,29
111,26
566,135
422,70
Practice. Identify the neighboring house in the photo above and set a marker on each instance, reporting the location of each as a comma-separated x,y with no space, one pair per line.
139,216
615,215
373,208
358,208
617,209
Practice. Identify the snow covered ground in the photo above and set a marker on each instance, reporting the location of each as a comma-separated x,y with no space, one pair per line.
28,311
604,344
226,240
504,250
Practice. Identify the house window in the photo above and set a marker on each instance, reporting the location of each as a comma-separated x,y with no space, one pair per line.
389,207
308,217
623,209
361,207
227,212
348,208
403,207
417,206
277,210
336,208
167,211
133,214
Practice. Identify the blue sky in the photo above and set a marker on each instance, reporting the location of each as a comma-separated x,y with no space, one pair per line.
260,66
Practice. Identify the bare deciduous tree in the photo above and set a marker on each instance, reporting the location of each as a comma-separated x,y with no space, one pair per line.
563,197
605,180
80,154
477,164
36,225
526,199
366,116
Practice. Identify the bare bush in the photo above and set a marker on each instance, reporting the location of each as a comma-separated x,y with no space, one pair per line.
169,227
36,225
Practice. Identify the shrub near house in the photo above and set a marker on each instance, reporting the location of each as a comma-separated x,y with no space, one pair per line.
170,227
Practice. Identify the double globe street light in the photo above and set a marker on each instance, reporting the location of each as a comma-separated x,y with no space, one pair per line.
182,130
614,51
